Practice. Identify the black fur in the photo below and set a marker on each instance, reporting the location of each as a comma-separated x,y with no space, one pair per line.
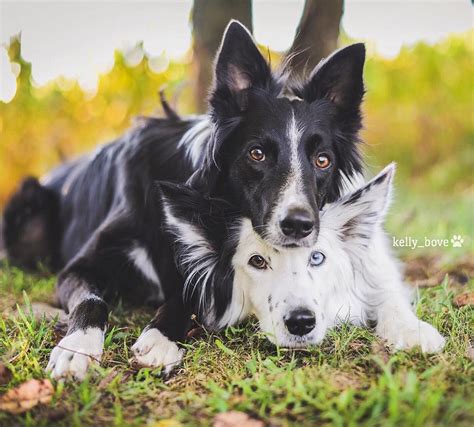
96,209
31,227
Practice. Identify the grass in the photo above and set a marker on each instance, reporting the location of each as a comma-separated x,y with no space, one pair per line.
351,379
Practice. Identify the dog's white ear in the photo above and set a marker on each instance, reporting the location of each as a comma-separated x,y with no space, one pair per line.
355,216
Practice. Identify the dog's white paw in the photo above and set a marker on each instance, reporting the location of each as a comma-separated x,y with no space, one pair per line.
75,352
153,349
404,336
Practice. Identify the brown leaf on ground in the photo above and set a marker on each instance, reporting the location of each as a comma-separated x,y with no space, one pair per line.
421,268
380,349
357,345
426,271
5,374
26,396
104,382
464,299
235,419
344,380
470,353
196,332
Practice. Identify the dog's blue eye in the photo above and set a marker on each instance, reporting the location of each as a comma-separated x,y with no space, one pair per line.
317,258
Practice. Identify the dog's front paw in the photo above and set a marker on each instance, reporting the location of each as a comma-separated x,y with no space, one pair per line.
75,352
153,349
404,336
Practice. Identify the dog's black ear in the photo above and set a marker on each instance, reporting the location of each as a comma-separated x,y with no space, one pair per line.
180,202
239,66
338,78
187,209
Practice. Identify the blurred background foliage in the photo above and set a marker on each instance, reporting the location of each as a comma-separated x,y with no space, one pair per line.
418,112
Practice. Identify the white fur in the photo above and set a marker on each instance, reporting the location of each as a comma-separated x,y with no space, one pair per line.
196,138
348,185
75,352
141,260
292,193
359,280
153,349
80,293
197,259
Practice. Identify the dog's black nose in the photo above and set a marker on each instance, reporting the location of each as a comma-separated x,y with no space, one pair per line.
298,223
300,321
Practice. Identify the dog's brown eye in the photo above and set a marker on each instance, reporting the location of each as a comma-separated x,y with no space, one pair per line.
322,161
258,262
257,154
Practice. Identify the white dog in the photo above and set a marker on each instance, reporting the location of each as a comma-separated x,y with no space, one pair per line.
297,294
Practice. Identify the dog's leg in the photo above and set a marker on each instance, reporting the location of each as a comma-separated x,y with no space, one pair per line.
399,326
390,301
84,341
158,343
81,291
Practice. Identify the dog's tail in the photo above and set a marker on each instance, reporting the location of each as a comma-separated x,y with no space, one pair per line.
31,227
169,111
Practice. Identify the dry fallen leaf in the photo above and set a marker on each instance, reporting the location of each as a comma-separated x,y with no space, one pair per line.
464,299
428,271
107,379
196,332
5,374
344,380
26,396
357,345
470,353
236,419
380,349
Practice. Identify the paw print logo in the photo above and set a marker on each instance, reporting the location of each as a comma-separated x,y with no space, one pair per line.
457,241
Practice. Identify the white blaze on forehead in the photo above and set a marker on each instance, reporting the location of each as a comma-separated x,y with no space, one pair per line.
294,136
292,194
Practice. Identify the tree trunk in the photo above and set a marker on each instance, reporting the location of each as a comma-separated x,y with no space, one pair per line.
316,35
209,20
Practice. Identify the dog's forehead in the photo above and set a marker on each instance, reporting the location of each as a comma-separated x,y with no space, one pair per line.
273,117
268,114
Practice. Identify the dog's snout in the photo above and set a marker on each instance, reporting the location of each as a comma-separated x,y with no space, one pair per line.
300,321
298,223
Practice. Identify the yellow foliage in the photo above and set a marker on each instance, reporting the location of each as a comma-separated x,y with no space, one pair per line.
419,112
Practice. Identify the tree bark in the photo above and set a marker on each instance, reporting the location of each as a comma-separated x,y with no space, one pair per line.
209,20
316,36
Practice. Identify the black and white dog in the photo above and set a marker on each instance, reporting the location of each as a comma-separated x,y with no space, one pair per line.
297,294
273,150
